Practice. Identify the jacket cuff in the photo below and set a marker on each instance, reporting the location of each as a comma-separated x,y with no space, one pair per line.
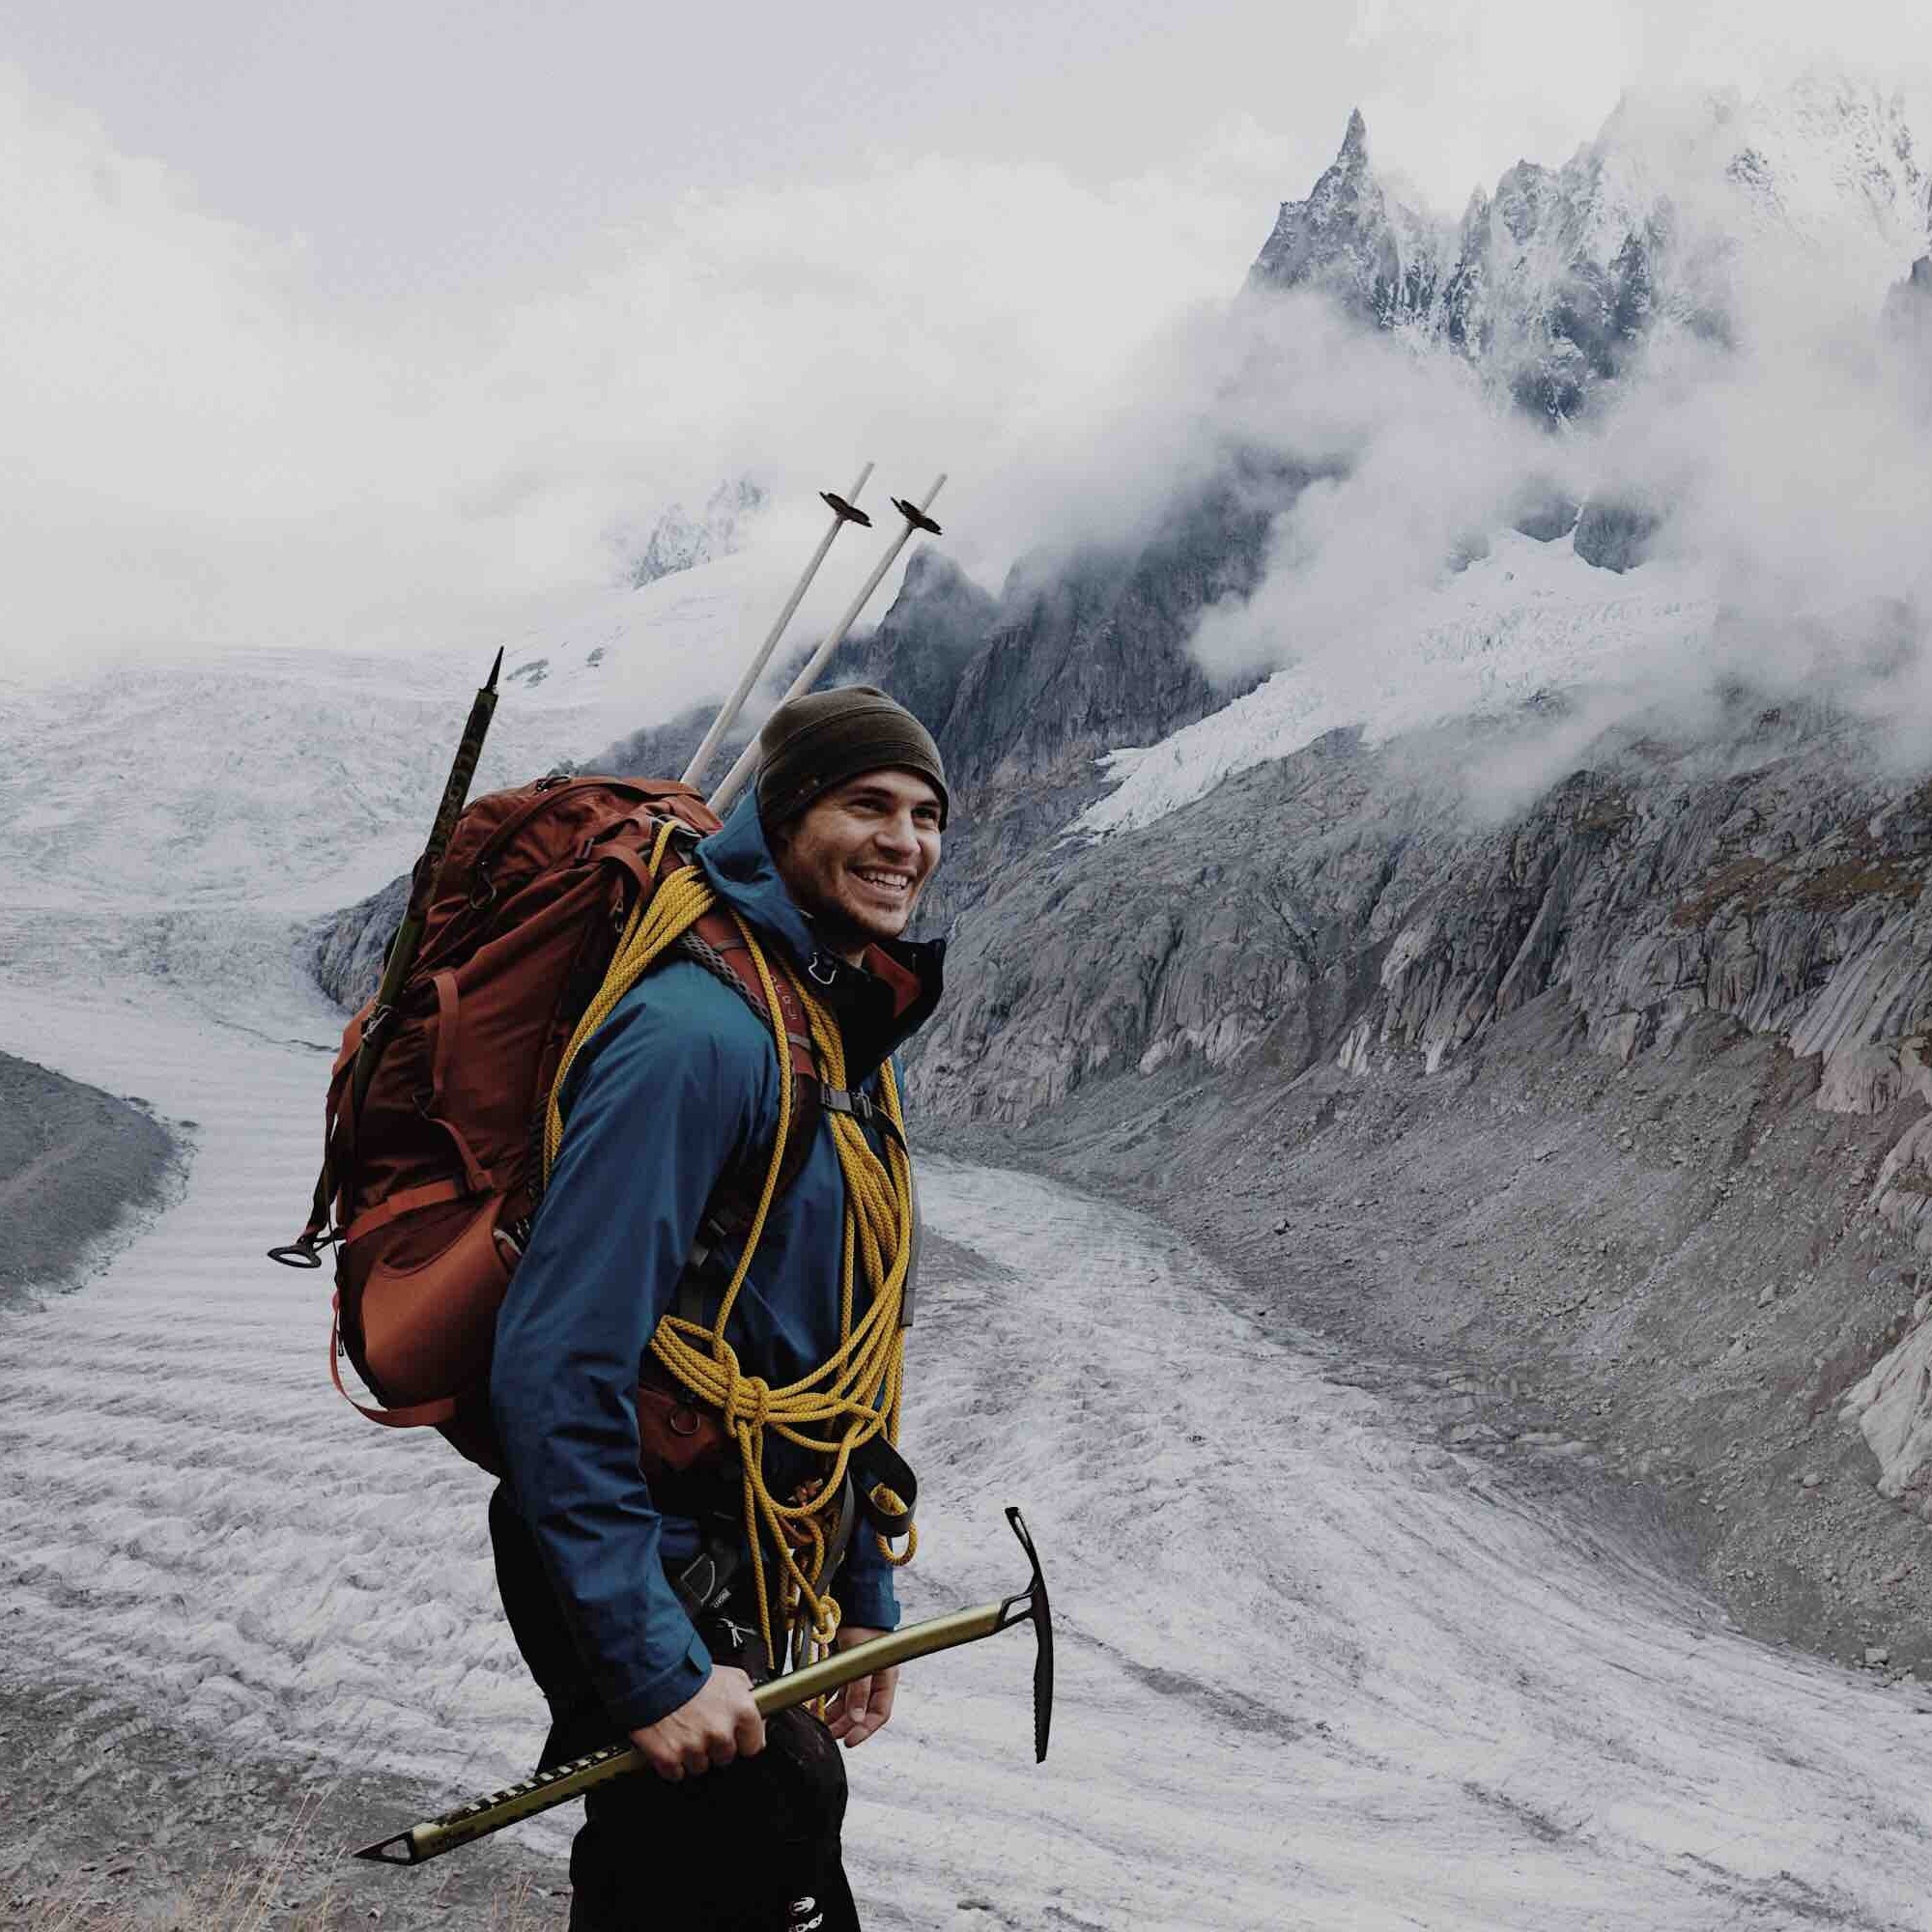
866,1595
658,1695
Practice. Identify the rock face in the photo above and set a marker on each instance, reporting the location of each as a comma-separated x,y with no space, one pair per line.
1630,1095
1552,282
1615,534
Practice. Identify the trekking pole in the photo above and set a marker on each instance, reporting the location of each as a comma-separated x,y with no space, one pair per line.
558,1783
845,511
915,519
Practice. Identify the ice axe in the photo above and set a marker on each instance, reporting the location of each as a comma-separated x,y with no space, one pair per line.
558,1783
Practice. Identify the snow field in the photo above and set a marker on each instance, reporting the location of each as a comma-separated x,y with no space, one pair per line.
1528,617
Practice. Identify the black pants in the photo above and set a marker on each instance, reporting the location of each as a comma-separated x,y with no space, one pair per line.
749,1848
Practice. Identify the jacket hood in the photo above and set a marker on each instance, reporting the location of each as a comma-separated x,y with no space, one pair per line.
738,861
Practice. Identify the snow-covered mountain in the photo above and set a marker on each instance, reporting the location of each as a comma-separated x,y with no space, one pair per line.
680,541
1679,213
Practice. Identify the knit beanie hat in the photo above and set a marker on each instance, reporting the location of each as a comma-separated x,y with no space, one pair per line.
824,738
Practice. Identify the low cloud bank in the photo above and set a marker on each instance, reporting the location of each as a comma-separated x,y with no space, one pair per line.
207,446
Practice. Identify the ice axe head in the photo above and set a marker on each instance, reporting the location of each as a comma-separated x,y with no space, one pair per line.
1031,1605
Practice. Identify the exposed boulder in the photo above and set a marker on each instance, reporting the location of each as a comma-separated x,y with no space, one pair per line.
1543,509
1616,532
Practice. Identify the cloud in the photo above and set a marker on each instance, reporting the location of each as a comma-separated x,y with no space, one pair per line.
205,449
1465,87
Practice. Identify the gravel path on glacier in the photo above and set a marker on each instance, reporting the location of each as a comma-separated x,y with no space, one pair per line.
1312,1672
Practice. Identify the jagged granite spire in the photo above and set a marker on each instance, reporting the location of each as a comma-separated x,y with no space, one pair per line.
1550,285
1340,239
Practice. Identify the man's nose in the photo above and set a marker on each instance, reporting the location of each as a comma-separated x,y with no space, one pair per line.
900,835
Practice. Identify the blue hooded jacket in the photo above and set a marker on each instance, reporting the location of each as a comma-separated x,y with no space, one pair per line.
679,1086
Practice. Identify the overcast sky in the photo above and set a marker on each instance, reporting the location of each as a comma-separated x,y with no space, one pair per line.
360,320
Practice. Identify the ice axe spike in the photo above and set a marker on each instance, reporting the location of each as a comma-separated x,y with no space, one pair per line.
843,512
557,1783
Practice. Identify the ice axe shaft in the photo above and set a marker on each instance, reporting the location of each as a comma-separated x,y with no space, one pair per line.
305,1250
557,1783
915,519
843,512
409,935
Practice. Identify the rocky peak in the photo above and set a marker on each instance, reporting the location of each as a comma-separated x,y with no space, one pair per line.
679,540
1342,240
1553,283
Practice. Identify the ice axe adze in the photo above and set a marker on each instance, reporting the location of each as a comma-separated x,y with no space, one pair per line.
558,1783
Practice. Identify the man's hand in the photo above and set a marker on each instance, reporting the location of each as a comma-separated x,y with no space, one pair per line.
857,1711
716,1725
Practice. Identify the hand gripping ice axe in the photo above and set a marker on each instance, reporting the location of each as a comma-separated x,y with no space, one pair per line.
558,1783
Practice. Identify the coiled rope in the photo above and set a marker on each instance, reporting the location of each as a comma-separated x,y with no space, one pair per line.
856,1395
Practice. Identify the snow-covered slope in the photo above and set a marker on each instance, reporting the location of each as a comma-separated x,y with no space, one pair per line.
1528,617
679,540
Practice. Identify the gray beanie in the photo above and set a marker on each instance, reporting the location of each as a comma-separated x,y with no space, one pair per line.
824,738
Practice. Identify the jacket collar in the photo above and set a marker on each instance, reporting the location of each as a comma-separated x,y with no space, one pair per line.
879,1004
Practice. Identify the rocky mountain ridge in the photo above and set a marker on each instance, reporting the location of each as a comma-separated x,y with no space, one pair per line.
679,540
1549,284
1621,1104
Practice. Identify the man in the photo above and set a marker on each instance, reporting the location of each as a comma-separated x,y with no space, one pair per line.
611,1579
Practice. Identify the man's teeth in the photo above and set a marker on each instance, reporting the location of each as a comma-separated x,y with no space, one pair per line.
896,881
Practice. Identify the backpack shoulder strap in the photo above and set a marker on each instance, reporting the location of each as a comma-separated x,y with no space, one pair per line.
715,944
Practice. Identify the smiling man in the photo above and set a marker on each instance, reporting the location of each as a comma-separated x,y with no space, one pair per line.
619,1531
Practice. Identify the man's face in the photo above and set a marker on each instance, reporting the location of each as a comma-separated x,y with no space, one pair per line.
858,858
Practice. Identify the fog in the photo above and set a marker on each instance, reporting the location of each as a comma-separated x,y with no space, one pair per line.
206,449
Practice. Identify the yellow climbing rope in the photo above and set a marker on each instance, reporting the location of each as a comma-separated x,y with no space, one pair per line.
853,1397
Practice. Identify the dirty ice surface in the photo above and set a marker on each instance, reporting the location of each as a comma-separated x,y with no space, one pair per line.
1312,1672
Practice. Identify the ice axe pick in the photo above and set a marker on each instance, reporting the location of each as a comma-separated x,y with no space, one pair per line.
558,1783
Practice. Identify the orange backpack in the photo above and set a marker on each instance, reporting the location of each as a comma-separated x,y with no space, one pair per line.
429,1188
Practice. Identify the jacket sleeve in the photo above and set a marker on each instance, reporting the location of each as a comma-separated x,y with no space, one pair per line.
663,1107
864,1586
